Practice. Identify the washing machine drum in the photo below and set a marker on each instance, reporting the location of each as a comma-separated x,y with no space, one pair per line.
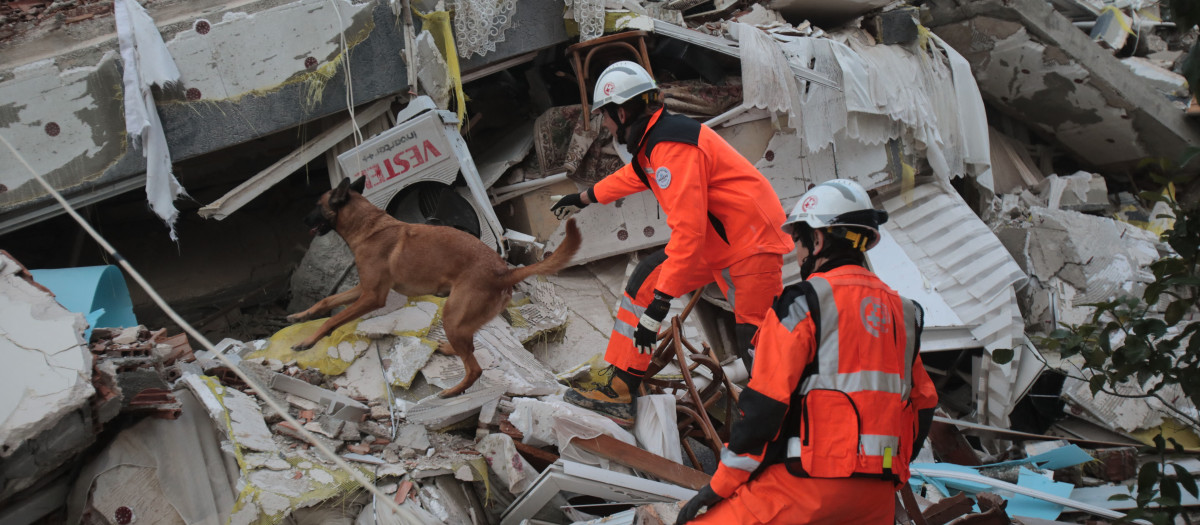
435,203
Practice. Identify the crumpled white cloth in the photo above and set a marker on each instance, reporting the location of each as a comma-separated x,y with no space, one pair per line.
148,62
767,79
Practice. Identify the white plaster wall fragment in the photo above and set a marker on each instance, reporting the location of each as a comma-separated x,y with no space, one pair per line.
230,60
47,371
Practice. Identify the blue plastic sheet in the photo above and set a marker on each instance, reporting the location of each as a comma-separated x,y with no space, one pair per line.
97,292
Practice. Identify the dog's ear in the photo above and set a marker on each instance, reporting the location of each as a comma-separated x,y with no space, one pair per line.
359,185
340,194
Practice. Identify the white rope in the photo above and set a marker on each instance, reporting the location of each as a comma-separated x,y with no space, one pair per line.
354,473
358,138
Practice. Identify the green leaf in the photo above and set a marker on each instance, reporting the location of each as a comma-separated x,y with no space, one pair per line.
1152,196
1170,490
1177,446
1097,383
1120,497
1191,65
1189,153
1185,478
1176,310
1003,355
1147,478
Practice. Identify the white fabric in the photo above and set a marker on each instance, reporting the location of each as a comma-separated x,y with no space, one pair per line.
656,428
552,421
506,462
197,477
589,14
972,119
480,24
148,62
767,79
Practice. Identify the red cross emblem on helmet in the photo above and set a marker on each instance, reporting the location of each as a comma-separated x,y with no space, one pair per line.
808,203
609,87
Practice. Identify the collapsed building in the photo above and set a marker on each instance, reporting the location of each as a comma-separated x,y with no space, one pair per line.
1003,138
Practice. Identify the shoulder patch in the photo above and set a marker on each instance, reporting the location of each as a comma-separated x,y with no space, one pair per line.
663,177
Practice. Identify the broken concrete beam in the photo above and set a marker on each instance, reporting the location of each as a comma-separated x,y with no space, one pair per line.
1032,63
633,457
334,404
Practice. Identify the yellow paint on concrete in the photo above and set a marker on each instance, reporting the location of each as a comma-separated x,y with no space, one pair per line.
318,357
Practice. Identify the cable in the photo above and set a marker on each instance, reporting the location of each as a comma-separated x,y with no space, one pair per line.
158,300
358,138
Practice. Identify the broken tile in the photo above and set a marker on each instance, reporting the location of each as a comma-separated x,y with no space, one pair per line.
236,413
413,436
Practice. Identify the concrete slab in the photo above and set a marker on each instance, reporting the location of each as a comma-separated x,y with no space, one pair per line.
47,367
70,123
1036,66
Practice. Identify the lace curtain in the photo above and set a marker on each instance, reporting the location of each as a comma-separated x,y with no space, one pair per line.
589,14
480,24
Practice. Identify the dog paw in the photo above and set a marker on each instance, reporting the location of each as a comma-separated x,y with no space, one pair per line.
450,392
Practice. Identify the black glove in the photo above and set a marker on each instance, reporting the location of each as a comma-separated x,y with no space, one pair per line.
567,206
705,498
646,334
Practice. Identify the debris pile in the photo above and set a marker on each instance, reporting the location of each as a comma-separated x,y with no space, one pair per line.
1003,226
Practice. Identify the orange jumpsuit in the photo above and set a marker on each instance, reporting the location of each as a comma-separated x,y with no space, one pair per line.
725,217
829,416
639,291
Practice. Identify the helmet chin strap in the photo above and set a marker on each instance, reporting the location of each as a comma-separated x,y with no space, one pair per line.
809,263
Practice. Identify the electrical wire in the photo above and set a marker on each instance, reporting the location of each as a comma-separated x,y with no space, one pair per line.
195,334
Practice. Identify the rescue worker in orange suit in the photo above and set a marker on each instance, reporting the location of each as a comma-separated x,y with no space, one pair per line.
724,217
839,402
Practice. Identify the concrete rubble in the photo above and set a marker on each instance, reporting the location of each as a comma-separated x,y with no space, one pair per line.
1002,137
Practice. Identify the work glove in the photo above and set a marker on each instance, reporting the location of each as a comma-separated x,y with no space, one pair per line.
567,206
646,334
705,498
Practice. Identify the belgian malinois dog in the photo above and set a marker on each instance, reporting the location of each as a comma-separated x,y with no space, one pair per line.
420,259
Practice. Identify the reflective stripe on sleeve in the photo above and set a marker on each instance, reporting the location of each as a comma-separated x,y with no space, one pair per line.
732,460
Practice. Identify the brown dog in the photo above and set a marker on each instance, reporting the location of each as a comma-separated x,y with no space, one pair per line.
419,259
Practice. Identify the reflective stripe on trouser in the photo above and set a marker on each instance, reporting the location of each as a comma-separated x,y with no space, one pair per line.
751,286
778,498
621,351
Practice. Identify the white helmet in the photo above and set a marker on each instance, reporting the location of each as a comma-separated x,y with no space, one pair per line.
839,203
620,82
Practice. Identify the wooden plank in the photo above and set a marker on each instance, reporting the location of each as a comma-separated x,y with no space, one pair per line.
614,449
254,186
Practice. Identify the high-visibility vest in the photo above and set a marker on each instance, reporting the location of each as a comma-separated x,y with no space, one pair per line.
850,415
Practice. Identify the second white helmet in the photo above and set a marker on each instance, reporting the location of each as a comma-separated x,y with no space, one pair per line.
839,202
620,82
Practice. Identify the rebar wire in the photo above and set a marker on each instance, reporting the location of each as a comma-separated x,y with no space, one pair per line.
158,300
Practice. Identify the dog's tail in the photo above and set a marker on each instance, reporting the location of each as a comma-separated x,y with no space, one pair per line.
555,262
